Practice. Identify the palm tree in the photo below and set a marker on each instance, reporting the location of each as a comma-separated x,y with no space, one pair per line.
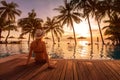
116,6
68,16
9,27
113,29
87,9
30,24
54,27
2,25
98,15
106,7
8,12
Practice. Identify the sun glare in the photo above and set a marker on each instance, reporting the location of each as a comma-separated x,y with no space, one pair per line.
82,29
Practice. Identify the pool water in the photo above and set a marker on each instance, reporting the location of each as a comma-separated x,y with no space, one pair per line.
66,50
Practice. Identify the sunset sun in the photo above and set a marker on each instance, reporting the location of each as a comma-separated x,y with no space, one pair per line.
82,29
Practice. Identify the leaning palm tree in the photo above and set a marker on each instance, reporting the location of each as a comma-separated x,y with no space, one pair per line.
68,16
54,27
9,27
87,9
98,16
8,11
30,24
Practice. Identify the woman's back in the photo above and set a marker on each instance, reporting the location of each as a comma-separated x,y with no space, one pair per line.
38,48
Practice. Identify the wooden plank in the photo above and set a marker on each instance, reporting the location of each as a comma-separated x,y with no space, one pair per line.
42,75
106,71
92,71
78,71
62,77
114,69
33,72
69,70
22,70
82,71
52,72
2,60
75,72
65,70
9,71
117,62
99,72
47,73
58,71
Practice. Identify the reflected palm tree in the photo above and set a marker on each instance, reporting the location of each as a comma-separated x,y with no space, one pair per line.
70,47
74,52
101,52
91,54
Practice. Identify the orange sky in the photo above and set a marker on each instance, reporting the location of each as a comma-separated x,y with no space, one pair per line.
44,8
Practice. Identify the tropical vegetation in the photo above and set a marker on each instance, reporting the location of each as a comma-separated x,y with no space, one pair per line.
30,24
112,30
8,12
68,16
54,27
70,12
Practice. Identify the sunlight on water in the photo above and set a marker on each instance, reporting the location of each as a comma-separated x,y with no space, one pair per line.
66,50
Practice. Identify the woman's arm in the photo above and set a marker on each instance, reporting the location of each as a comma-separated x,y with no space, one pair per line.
45,52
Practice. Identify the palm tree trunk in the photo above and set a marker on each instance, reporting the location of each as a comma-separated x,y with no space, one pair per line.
100,32
0,33
53,37
7,36
74,34
29,38
90,32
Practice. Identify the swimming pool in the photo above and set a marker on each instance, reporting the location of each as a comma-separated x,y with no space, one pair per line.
66,50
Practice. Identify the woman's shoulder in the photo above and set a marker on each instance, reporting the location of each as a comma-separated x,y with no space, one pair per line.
34,42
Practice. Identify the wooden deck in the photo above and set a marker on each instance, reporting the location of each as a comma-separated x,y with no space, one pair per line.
15,69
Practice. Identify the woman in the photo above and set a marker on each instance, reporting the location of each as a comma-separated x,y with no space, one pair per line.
38,47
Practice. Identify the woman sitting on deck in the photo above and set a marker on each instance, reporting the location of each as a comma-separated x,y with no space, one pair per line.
38,47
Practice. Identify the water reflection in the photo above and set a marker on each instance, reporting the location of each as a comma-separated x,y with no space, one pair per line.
62,50
101,52
56,52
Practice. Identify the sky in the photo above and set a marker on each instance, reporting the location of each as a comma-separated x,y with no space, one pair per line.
44,8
